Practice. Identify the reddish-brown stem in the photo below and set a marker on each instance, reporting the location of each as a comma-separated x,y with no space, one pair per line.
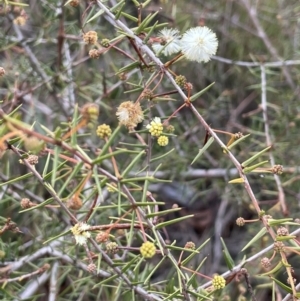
92,208
77,193
165,93
197,273
137,51
50,151
114,163
169,63
174,113
80,125
115,226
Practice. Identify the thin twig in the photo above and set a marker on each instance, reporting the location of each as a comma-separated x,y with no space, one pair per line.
264,107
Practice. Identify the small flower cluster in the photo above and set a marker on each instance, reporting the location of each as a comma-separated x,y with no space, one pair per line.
80,233
218,282
130,114
180,80
277,169
91,268
278,246
33,144
265,262
197,44
74,3
103,131
90,111
148,94
20,20
74,203
240,222
169,42
32,159
102,236
282,231
148,249
2,71
26,203
163,140
156,129
238,135
94,53
91,37
112,247
190,245
105,43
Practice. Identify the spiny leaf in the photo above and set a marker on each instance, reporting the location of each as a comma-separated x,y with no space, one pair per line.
236,142
253,158
176,220
228,259
237,181
260,234
203,149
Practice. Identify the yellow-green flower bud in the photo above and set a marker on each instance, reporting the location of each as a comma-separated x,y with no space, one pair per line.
163,140
148,249
103,131
218,282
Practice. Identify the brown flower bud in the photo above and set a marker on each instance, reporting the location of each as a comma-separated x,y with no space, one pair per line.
240,221
2,71
102,237
26,203
91,37
91,268
74,203
74,3
32,159
282,231
190,245
278,246
265,262
112,247
94,53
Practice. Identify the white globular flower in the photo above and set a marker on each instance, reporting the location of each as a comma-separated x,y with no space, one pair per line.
199,44
170,42
80,233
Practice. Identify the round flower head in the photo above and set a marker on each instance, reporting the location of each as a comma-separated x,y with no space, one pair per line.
103,131
20,21
2,71
80,233
91,268
155,127
112,247
265,262
74,3
218,282
170,42
199,44
130,114
94,53
163,140
148,249
90,37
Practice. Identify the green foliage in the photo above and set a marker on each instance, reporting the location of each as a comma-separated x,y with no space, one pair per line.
78,202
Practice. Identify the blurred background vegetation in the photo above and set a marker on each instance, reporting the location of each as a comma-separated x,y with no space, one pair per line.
49,72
